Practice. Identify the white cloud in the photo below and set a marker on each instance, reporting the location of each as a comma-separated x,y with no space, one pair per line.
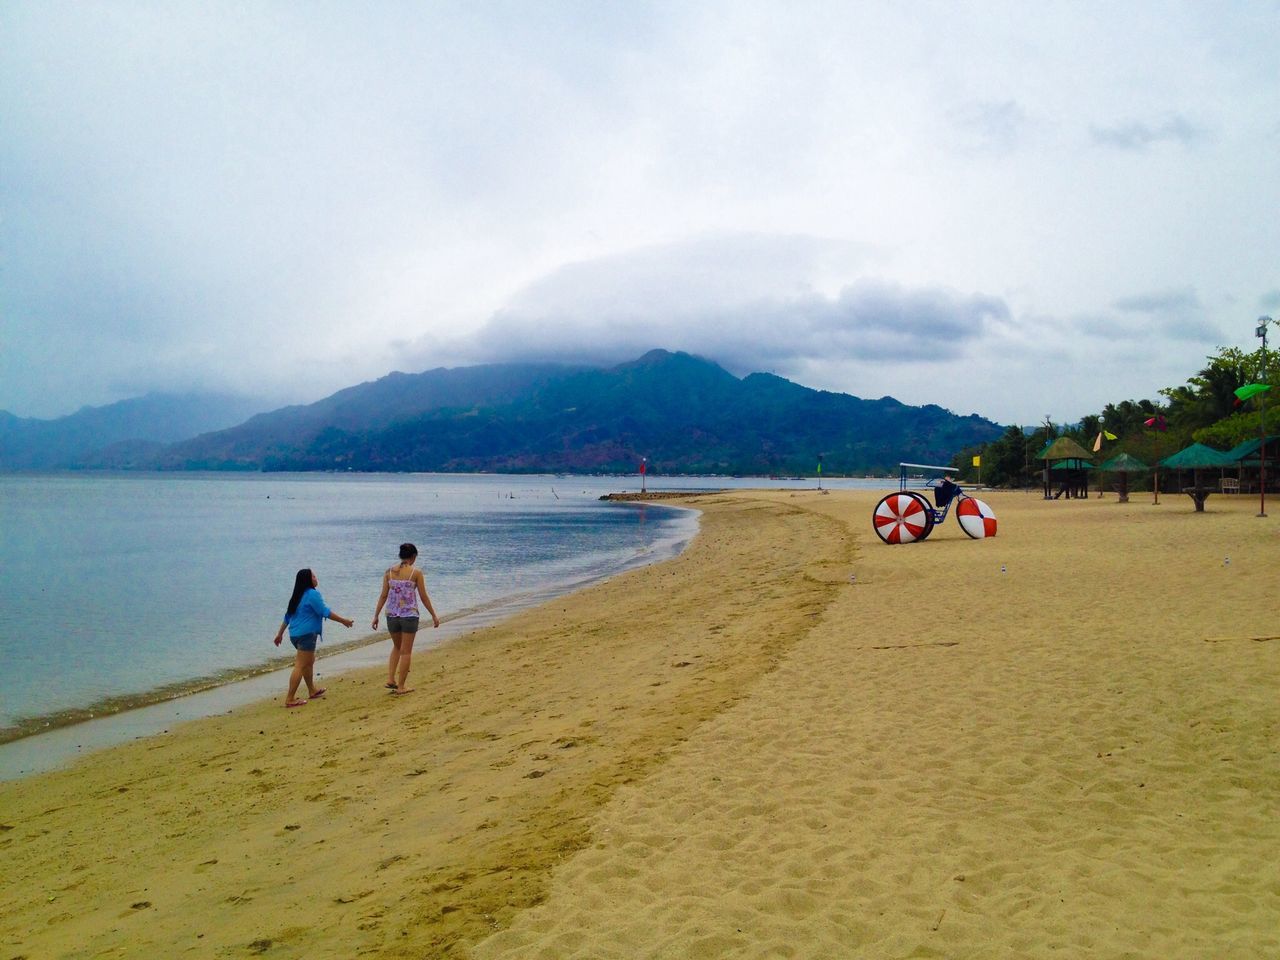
922,200
751,303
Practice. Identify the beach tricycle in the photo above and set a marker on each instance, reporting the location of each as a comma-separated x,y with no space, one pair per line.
907,515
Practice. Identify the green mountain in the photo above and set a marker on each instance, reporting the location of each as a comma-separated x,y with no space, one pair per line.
684,413
123,434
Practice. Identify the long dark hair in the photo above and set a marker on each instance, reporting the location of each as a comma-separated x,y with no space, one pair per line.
301,584
408,551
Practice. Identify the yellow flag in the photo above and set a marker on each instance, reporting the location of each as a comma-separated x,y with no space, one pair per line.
977,461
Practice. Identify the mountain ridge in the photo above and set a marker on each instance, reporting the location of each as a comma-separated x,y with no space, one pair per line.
156,419
684,413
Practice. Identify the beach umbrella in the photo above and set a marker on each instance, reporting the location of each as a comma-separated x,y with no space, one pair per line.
1243,450
1195,458
1248,454
1123,464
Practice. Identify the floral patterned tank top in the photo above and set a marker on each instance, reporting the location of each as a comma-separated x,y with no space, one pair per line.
402,599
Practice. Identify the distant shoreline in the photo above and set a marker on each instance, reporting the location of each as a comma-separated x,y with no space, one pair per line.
653,495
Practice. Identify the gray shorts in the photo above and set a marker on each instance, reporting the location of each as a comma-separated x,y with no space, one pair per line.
402,624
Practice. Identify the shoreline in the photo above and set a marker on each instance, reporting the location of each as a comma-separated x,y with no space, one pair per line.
790,737
333,660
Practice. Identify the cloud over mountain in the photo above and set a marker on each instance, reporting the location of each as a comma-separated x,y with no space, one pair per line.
750,302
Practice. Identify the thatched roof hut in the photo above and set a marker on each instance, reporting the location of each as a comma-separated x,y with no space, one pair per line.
1123,464
1195,458
1070,460
1064,448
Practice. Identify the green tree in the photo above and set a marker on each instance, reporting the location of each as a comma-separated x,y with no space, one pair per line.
1209,396
1126,418
1239,427
1205,408
1006,461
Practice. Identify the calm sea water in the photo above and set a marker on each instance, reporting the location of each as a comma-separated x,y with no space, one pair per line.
114,585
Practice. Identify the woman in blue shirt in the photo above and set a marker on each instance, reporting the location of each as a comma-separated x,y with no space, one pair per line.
305,618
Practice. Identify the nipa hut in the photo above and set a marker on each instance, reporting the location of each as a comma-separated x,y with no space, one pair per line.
1066,467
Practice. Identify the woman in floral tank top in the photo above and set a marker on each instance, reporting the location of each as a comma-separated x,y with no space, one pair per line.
401,587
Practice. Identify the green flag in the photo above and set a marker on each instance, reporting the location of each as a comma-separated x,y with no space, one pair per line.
1251,390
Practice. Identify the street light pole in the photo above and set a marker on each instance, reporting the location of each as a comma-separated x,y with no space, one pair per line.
1262,422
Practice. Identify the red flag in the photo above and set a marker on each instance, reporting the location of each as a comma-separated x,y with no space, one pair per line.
1158,422
642,466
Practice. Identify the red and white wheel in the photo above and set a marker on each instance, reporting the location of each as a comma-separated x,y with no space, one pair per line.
903,518
976,518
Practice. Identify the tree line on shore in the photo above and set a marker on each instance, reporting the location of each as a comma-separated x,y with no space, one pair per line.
1203,410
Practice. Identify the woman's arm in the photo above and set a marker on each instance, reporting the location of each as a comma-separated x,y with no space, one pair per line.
426,601
280,633
321,609
382,597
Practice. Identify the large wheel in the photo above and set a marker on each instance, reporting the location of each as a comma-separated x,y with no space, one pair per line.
903,517
931,522
976,518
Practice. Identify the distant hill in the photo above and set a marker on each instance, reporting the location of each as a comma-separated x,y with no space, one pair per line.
124,434
686,414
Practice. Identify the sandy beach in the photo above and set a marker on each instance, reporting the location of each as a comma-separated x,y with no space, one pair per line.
790,741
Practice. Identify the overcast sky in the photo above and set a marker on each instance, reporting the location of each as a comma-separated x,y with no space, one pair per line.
1013,209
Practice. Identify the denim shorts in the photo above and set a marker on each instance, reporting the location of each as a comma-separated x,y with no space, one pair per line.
402,624
306,642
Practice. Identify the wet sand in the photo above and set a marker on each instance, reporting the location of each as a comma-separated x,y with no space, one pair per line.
1061,740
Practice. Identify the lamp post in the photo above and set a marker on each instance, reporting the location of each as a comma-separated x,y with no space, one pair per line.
1262,422
1026,461
644,469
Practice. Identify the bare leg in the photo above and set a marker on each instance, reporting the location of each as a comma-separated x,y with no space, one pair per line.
295,678
394,660
308,658
406,660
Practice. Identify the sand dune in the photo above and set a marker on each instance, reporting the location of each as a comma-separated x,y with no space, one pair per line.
1059,741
